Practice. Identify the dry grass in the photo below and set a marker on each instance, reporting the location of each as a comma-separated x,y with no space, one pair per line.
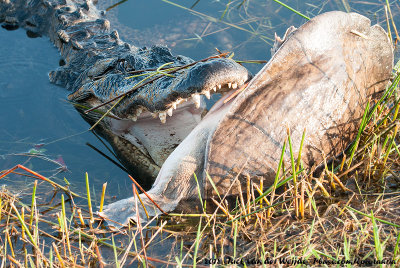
349,212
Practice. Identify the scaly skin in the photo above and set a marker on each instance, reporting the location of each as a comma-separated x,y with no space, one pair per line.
96,66
319,79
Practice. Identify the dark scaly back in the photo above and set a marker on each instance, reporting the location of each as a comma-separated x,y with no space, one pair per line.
76,28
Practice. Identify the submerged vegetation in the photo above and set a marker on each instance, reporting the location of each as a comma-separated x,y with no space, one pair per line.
347,215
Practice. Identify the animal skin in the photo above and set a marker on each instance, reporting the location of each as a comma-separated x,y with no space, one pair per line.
319,79
95,66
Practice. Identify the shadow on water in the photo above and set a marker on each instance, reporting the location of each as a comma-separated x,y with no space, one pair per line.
35,114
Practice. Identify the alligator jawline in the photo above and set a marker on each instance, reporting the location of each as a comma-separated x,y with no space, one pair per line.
90,49
156,140
197,99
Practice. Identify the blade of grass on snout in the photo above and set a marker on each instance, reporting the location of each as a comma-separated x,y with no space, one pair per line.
106,113
122,97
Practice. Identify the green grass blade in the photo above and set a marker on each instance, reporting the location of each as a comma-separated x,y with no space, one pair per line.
292,9
115,252
199,192
33,203
197,243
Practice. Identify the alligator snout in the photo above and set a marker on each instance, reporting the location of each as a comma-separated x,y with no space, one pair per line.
161,106
168,88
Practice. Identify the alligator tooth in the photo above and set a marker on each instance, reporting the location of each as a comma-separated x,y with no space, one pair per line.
215,89
241,83
234,85
169,112
139,111
163,117
219,86
196,100
154,115
133,118
174,105
229,85
207,94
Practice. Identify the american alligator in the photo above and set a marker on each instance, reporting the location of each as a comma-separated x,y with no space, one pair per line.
90,49
319,79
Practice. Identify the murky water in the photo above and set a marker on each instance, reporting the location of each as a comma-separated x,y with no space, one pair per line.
35,114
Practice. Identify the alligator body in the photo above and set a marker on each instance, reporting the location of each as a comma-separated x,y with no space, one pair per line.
95,66
319,79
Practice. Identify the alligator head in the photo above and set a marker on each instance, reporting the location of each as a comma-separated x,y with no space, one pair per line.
97,66
320,80
151,121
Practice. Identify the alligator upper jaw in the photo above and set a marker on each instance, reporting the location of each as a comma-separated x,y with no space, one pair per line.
166,90
205,78
157,117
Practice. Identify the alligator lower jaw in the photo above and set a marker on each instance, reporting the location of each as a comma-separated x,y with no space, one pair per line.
151,141
154,139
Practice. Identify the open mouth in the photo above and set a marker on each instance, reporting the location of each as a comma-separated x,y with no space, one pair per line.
164,94
155,118
195,99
